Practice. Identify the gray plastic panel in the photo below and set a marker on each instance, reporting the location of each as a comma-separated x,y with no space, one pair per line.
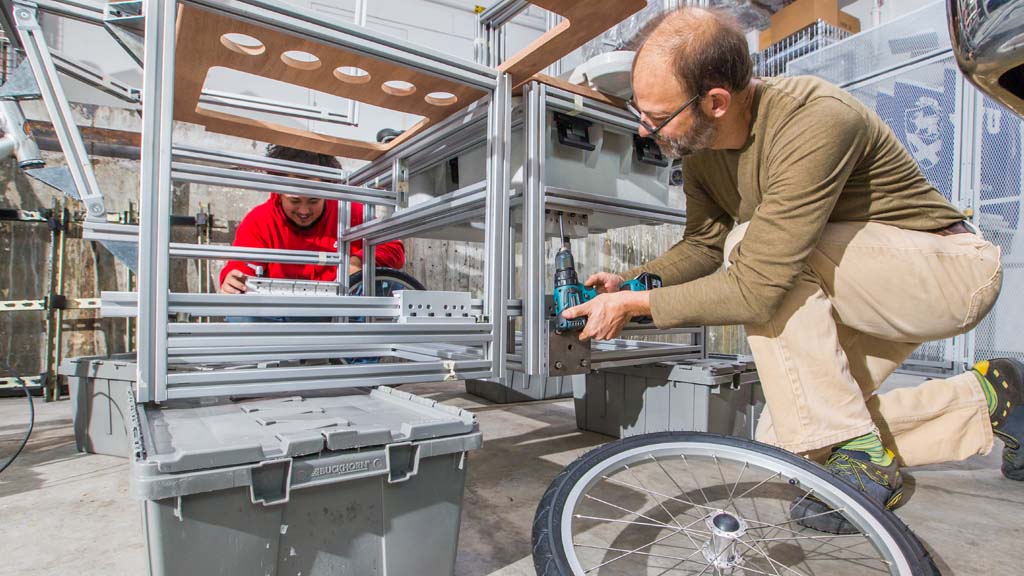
715,395
192,435
99,388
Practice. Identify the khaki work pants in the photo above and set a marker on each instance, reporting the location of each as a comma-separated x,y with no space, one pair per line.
868,296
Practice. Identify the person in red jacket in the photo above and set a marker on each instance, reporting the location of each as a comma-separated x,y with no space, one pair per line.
290,222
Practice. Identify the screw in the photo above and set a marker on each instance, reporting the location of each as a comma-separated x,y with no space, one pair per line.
559,365
584,362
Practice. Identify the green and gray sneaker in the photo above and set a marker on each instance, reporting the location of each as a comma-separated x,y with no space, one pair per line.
1002,381
882,484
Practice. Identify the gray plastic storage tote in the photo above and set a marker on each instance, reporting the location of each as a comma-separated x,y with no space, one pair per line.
358,483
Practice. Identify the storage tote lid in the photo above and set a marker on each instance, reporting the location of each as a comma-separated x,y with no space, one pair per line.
189,435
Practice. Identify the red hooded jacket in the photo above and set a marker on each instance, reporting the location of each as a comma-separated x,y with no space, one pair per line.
267,226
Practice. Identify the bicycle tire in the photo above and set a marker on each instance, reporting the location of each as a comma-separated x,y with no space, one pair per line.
549,553
355,280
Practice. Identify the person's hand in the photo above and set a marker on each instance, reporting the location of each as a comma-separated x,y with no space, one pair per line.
605,282
608,313
234,283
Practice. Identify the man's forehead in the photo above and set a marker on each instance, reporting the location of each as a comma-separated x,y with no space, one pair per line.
654,86
297,198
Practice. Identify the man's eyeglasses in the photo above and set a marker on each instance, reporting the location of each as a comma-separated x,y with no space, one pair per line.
632,107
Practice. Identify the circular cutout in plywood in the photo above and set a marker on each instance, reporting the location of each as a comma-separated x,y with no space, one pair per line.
242,44
398,87
441,98
352,75
301,60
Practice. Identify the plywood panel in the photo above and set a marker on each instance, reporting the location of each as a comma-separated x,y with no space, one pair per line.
583,21
201,45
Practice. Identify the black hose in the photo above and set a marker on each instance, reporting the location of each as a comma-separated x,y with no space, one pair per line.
31,415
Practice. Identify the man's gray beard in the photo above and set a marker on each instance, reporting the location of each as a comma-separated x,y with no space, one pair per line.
697,138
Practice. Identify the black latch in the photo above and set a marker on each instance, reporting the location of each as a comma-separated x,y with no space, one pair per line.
453,171
573,132
648,151
56,302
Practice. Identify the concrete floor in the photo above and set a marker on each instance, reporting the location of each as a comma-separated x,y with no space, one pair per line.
64,513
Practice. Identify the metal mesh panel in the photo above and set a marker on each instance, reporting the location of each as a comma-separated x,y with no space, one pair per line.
919,104
773,60
887,47
998,184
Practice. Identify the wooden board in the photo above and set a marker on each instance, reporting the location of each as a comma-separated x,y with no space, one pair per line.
201,46
581,90
583,21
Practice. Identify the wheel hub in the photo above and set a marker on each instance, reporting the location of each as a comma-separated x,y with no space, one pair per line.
726,529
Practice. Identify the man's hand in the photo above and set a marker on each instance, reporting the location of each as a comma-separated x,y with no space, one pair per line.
355,264
234,283
605,282
608,313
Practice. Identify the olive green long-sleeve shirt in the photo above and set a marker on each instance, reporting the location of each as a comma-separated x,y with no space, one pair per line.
814,155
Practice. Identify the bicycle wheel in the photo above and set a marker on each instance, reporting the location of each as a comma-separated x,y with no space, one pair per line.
387,281
691,503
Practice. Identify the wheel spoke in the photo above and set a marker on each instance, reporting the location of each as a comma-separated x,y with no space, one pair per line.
732,490
645,524
695,481
617,507
765,525
635,550
771,562
628,485
671,517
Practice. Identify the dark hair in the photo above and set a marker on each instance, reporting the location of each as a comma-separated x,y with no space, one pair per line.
304,156
707,48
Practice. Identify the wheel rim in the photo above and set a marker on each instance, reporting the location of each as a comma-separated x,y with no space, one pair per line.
687,486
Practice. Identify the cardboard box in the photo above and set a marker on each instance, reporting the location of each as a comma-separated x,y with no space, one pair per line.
803,13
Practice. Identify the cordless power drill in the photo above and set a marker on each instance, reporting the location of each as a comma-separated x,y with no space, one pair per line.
569,291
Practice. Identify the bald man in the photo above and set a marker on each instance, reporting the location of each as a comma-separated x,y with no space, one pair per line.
839,259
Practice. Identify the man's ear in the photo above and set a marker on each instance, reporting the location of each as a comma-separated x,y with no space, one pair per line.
716,103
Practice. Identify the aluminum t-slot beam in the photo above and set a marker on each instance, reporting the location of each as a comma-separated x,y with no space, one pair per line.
87,12
249,356
496,222
288,306
263,381
278,107
428,141
534,252
256,162
501,12
575,200
96,79
125,304
214,176
462,204
304,23
588,108
38,54
155,198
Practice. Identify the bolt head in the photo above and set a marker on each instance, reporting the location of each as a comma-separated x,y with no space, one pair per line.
559,365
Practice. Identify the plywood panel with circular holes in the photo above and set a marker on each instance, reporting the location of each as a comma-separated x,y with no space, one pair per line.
207,40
